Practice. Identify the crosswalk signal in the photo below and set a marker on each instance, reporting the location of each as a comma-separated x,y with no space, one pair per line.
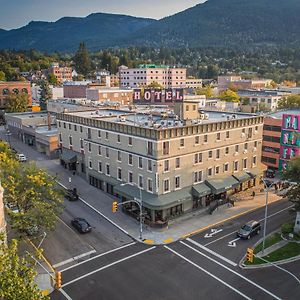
249,256
58,280
114,206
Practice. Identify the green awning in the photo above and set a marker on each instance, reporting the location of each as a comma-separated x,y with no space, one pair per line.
221,185
200,190
255,172
242,176
152,201
68,157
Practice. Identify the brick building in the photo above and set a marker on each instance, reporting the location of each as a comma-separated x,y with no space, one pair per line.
62,74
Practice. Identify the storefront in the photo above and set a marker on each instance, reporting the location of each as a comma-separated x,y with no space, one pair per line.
223,187
244,179
201,195
68,159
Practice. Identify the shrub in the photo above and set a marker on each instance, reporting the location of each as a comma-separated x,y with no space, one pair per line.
287,228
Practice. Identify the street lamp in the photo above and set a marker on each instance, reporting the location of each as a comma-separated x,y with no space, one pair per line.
267,189
140,204
8,134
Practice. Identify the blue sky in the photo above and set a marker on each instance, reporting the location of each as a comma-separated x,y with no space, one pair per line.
16,13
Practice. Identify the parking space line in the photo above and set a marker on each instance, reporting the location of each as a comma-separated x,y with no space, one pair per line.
232,271
74,258
109,265
212,252
208,273
102,254
65,294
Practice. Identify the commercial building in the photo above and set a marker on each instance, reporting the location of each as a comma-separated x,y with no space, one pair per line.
167,77
77,89
180,164
121,96
193,83
62,74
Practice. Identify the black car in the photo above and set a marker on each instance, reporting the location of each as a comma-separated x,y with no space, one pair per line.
71,194
81,225
249,229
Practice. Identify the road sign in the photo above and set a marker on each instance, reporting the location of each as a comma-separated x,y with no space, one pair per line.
212,233
233,243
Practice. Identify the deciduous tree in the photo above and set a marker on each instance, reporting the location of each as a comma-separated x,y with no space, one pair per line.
17,102
229,96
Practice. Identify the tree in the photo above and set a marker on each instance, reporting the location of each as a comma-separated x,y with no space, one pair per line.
45,94
292,175
207,91
290,102
229,96
17,275
154,85
82,60
2,76
52,79
17,102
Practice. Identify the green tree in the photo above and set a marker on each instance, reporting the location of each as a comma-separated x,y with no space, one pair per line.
292,174
154,85
2,76
45,94
207,91
52,79
17,275
229,96
17,102
82,60
290,102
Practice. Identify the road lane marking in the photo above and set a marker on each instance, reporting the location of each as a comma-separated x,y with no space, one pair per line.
102,254
212,252
65,294
208,273
233,242
212,233
109,265
97,211
272,215
67,261
232,271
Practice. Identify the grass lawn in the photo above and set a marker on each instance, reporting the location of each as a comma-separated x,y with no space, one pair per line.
271,240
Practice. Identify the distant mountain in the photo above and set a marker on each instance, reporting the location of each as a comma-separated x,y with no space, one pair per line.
228,23
98,30
222,23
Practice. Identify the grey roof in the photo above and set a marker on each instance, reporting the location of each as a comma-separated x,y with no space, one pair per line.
279,114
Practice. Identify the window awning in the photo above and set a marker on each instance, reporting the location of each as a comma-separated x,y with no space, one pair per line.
223,184
255,172
68,157
200,190
242,176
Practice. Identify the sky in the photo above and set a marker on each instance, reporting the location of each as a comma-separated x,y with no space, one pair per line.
17,13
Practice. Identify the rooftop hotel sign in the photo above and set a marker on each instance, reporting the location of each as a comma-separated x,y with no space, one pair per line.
158,96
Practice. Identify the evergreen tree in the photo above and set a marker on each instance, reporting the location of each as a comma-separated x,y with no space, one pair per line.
45,94
82,60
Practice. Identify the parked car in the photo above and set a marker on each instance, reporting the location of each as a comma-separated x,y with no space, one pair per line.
249,229
21,157
81,225
71,194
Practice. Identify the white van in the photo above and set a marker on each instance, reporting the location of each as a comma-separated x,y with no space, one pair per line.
21,157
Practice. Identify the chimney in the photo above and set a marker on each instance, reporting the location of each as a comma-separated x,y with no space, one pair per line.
49,120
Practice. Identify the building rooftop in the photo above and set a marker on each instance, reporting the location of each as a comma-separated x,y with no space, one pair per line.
27,115
279,114
44,130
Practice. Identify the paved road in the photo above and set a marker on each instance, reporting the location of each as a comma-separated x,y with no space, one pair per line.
184,270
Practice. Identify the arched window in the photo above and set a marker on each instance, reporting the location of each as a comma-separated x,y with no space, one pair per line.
15,91
24,90
5,92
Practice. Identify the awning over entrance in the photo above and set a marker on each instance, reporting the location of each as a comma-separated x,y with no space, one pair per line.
255,172
221,185
152,201
242,176
68,157
200,190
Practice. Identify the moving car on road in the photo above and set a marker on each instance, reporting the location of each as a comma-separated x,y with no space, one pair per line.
21,157
71,194
81,225
249,229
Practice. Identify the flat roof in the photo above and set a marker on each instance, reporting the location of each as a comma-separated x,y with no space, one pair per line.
279,114
27,115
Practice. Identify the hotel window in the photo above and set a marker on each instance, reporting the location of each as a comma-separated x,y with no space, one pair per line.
227,134
218,153
217,170
130,177
150,148
197,140
107,152
59,124
118,138
149,165
226,150
107,169
177,182
166,148
210,154
99,133
166,185
246,146
236,166
100,166
166,166
209,172
90,164
106,135
70,141
226,167
177,162
130,141
199,157
198,176
119,173
245,163
80,128
236,148
119,156
205,138
64,125
218,136
140,162
255,144
150,185
181,142
141,181
254,160
70,126
196,158
89,133
75,127
130,159
99,150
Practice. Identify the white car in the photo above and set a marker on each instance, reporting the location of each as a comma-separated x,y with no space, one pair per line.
21,157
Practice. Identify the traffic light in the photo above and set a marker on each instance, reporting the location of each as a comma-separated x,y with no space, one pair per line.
249,256
114,206
58,280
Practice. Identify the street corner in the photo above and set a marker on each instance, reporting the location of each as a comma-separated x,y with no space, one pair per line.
168,241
